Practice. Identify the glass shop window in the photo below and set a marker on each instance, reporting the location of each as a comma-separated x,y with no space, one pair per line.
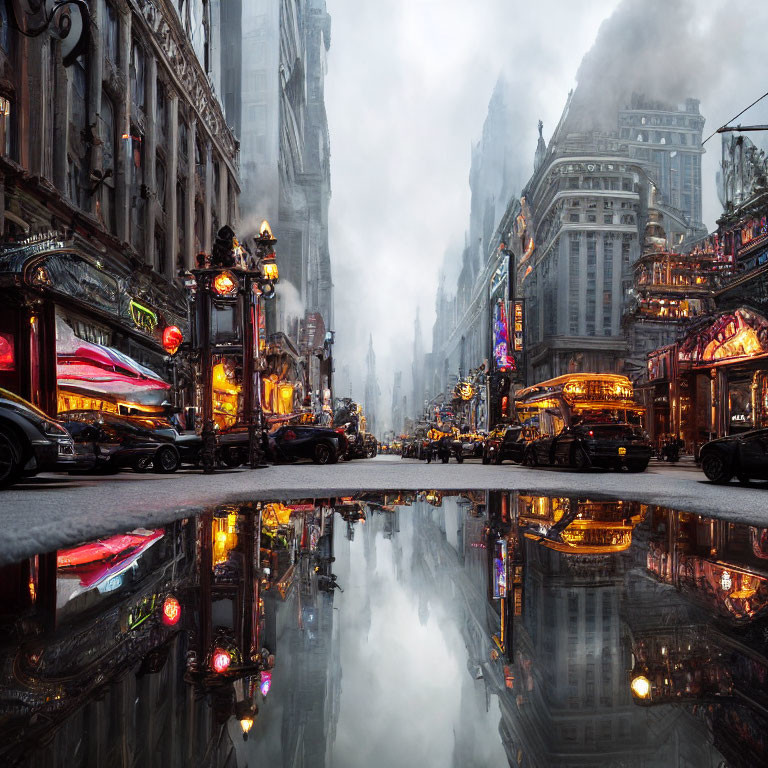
740,405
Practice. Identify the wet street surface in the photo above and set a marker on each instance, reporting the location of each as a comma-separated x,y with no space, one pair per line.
53,510
430,628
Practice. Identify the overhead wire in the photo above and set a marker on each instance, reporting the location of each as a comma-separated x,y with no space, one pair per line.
735,116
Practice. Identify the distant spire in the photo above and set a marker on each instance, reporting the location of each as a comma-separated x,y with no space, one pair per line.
541,149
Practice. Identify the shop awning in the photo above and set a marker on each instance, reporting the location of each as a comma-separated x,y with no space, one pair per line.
94,369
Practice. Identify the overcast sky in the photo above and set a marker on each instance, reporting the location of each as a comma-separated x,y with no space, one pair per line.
407,93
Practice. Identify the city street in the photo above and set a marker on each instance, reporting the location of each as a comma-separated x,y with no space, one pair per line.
52,510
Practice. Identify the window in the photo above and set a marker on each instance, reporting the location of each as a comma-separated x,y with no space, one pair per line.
137,76
108,139
160,182
626,185
591,218
573,285
573,217
183,139
608,219
77,154
573,182
161,113
138,193
181,217
110,33
160,254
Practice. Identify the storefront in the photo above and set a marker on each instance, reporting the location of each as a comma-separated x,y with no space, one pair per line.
714,382
78,330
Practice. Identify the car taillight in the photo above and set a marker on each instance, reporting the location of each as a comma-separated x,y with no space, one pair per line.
340,430
591,433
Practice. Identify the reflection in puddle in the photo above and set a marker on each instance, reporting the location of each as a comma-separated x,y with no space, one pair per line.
405,629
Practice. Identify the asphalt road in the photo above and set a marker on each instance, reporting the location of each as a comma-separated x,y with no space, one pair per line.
51,511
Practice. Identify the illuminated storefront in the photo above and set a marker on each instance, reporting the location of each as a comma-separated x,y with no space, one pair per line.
714,382
76,333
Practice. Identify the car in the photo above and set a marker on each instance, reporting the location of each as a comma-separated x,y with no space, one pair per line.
323,445
607,445
118,441
505,441
744,456
31,441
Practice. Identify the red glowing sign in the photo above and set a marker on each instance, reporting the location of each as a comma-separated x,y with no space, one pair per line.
171,611
172,338
221,660
7,356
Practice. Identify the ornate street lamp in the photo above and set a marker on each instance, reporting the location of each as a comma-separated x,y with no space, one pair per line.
226,315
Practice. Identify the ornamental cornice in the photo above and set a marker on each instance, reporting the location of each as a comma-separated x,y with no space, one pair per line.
187,76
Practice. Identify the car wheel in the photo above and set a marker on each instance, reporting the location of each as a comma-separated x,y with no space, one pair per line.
486,460
460,459
637,466
743,479
232,457
10,463
323,454
166,460
497,459
716,469
529,458
143,464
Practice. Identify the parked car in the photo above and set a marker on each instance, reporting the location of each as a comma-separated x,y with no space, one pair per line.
443,448
323,445
505,441
610,446
31,441
115,442
744,456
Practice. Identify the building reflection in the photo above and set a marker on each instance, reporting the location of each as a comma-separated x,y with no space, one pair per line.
608,632
158,647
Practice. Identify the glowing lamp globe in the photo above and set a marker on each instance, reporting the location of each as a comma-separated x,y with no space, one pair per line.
220,661
172,338
224,284
269,270
641,687
246,724
171,611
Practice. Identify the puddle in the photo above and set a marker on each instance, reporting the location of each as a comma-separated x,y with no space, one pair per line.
430,629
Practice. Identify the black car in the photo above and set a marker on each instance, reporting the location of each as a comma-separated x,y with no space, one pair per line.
610,446
323,445
744,455
118,441
505,441
30,441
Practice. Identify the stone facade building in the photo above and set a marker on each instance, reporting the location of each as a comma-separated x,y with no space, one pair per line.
117,168
589,198
286,148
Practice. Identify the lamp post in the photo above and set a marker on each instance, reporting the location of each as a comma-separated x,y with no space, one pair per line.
229,287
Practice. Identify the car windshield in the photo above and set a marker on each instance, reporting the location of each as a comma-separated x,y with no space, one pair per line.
16,400
609,431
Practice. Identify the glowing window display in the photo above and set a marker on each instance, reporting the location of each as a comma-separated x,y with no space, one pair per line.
226,394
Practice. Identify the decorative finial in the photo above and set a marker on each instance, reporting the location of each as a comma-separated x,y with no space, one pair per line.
541,128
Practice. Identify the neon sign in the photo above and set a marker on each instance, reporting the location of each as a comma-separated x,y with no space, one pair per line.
501,354
143,317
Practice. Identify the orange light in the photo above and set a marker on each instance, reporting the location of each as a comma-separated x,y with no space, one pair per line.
265,229
172,338
171,611
224,284
269,270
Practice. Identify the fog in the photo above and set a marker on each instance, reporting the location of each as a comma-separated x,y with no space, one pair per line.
407,93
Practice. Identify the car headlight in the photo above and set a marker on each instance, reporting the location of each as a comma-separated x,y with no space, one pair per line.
52,429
